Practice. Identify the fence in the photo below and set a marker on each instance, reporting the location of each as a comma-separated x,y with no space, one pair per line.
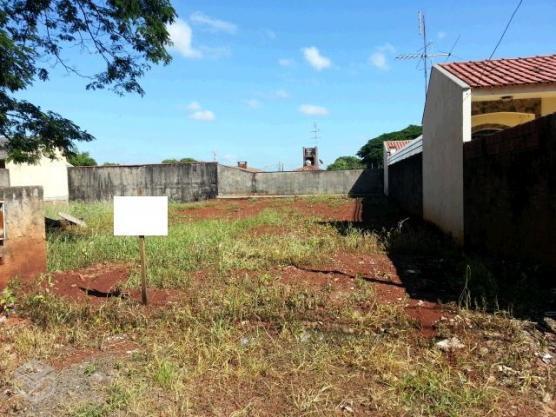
510,192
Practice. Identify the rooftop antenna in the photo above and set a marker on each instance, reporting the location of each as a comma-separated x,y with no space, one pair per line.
423,54
316,133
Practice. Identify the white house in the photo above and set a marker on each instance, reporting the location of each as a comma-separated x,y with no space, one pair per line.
51,174
466,100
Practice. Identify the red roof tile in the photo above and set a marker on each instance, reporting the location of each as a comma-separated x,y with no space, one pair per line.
505,72
396,144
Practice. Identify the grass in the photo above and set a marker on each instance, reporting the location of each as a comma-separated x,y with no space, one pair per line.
243,342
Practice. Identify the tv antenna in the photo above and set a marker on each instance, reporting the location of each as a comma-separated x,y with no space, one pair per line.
424,54
316,133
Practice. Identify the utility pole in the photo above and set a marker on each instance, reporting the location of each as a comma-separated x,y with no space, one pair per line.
423,54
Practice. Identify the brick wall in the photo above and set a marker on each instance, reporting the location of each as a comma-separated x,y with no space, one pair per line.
510,192
405,184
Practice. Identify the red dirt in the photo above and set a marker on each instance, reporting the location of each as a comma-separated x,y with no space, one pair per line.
98,283
339,210
114,346
342,270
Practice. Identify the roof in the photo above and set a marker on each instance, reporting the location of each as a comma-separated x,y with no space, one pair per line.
395,145
505,72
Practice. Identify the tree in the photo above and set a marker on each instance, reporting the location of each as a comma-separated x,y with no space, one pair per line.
179,161
81,159
346,162
372,153
110,164
127,36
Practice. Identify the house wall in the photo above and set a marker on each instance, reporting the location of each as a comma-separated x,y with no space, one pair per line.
510,192
548,105
235,182
51,175
406,184
23,252
446,125
180,182
4,178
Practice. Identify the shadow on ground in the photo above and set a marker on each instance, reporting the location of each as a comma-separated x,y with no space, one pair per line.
433,268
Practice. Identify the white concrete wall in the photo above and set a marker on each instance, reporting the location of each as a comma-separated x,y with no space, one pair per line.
52,175
446,125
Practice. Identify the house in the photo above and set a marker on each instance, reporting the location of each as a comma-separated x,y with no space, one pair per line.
470,100
50,174
390,148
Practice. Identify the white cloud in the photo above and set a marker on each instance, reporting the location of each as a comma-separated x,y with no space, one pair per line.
379,58
253,103
181,36
315,59
312,110
194,106
284,62
203,116
282,94
211,24
196,112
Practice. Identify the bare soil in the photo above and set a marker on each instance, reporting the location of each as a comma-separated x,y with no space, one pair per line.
341,210
100,282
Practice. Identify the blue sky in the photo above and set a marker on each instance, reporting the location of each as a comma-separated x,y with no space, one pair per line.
249,78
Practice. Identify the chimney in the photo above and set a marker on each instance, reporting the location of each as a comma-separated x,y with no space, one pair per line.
242,164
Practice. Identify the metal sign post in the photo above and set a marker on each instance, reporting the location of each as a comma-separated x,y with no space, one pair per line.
141,216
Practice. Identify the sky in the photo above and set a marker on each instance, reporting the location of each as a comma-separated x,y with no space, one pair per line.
249,79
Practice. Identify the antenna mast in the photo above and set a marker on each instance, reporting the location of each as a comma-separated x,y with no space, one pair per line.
316,133
423,54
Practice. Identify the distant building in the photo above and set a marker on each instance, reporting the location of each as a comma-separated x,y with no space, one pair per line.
50,174
310,159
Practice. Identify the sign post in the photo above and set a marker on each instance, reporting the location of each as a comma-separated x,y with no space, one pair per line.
141,216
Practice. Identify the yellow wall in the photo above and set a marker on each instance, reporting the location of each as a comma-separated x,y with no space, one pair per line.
548,105
509,119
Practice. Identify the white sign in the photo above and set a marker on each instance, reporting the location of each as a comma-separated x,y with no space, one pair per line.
140,216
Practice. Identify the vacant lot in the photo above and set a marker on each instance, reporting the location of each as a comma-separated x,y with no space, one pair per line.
274,307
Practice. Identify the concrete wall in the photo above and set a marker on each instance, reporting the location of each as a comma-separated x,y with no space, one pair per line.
180,182
4,178
510,192
23,252
51,175
234,182
406,184
446,125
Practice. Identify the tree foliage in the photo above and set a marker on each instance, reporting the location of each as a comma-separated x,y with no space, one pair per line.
372,153
127,36
346,162
81,159
179,161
